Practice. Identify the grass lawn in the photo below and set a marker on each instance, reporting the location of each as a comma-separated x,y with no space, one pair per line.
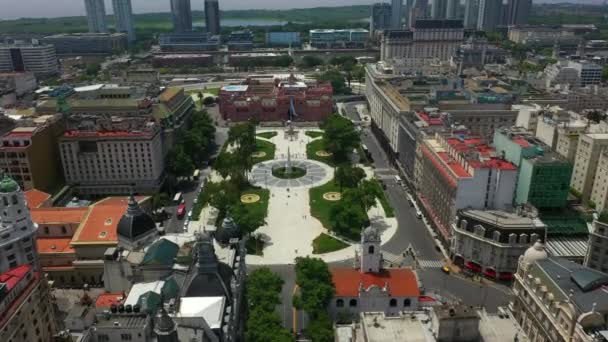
314,134
320,207
214,91
384,201
262,204
267,135
318,145
264,146
325,244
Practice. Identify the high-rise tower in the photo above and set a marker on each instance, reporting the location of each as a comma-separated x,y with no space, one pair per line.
96,16
518,12
212,16
396,13
471,13
489,14
123,14
182,15
17,231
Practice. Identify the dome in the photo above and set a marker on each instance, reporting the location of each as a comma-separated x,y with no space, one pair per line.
135,222
229,230
7,184
370,234
535,253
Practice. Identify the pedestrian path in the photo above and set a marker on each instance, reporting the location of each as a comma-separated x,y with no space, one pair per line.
392,258
430,263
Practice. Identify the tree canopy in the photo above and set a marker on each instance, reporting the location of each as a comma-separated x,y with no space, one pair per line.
337,80
340,136
310,61
316,287
349,176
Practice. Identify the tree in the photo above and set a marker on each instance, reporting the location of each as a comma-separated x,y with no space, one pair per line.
264,326
284,61
349,176
248,220
316,286
209,100
359,73
340,136
310,61
320,329
596,116
605,73
179,163
348,218
93,69
263,288
336,78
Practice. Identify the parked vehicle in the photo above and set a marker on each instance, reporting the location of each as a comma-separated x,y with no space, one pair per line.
181,211
177,199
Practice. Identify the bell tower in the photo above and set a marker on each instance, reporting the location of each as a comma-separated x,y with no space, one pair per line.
371,256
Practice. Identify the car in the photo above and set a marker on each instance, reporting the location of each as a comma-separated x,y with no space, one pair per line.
445,269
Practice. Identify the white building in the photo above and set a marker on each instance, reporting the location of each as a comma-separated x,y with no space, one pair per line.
561,73
17,231
599,193
590,146
37,58
115,161
589,73
597,253
96,16
372,288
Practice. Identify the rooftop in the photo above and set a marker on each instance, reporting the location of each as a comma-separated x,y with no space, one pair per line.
401,282
210,308
170,93
54,245
379,328
54,215
105,300
123,320
13,276
35,198
104,134
504,219
393,94
567,246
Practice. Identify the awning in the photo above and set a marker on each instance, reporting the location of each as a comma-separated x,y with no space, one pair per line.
473,266
505,276
490,273
426,299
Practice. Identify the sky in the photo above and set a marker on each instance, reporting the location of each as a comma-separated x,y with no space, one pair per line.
12,9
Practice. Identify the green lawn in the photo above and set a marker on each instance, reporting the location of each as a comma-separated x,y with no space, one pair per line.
320,207
384,201
325,244
314,134
318,145
262,204
267,135
214,91
264,146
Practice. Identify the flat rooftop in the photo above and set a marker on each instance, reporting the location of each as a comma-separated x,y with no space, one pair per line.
379,328
505,219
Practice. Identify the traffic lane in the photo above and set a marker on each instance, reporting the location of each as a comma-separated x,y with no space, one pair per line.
470,292
378,155
411,230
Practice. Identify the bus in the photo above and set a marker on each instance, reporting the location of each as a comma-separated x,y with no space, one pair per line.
177,198
181,211
196,174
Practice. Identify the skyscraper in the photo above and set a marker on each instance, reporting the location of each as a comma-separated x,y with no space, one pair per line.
396,13
518,12
489,14
417,10
471,13
380,17
96,16
123,14
182,15
212,16
452,9
438,9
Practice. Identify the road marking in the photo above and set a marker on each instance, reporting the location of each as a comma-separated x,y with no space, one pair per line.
430,263
392,258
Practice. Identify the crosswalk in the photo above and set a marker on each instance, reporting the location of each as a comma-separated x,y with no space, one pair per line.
391,258
430,263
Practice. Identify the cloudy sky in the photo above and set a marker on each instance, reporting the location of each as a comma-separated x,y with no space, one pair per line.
11,9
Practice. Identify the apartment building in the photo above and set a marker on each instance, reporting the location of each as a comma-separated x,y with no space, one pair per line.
599,193
590,146
490,242
589,73
27,313
458,172
88,43
597,251
558,300
29,153
37,58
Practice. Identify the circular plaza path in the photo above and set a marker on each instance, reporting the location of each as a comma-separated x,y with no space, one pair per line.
317,173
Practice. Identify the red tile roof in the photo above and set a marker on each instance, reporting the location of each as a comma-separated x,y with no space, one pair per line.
58,215
521,142
54,245
105,300
13,276
401,282
35,198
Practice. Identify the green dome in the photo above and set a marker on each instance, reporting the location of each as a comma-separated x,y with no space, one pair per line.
7,184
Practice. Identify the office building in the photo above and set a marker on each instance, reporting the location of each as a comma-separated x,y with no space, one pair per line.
452,10
380,17
597,250
558,300
396,13
29,153
212,16
277,98
489,14
544,176
27,312
240,40
123,16
283,39
96,16
471,14
188,42
181,12
490,242
37,58
329,38
518,12
589,73
458,172
544,36
439,9
88,43
590,147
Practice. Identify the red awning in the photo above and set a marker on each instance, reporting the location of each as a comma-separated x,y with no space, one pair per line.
505,276
490,273
473,266
426,299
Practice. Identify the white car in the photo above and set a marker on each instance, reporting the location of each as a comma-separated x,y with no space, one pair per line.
189,215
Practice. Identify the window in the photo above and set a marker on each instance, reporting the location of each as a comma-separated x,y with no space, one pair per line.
370,250
46,230
340,303
63,230
352,303
393,302
407,302
103,338
126,337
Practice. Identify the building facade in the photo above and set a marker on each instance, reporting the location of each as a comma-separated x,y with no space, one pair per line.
123,15
380,18
347,38
283,39
212,16
588,154
88,43
396,13
518,12
471,13
597,251
96,16
181,13
188,42
599,193
490,242
37,58
489,14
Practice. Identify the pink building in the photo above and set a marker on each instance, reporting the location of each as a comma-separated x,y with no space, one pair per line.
275,99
